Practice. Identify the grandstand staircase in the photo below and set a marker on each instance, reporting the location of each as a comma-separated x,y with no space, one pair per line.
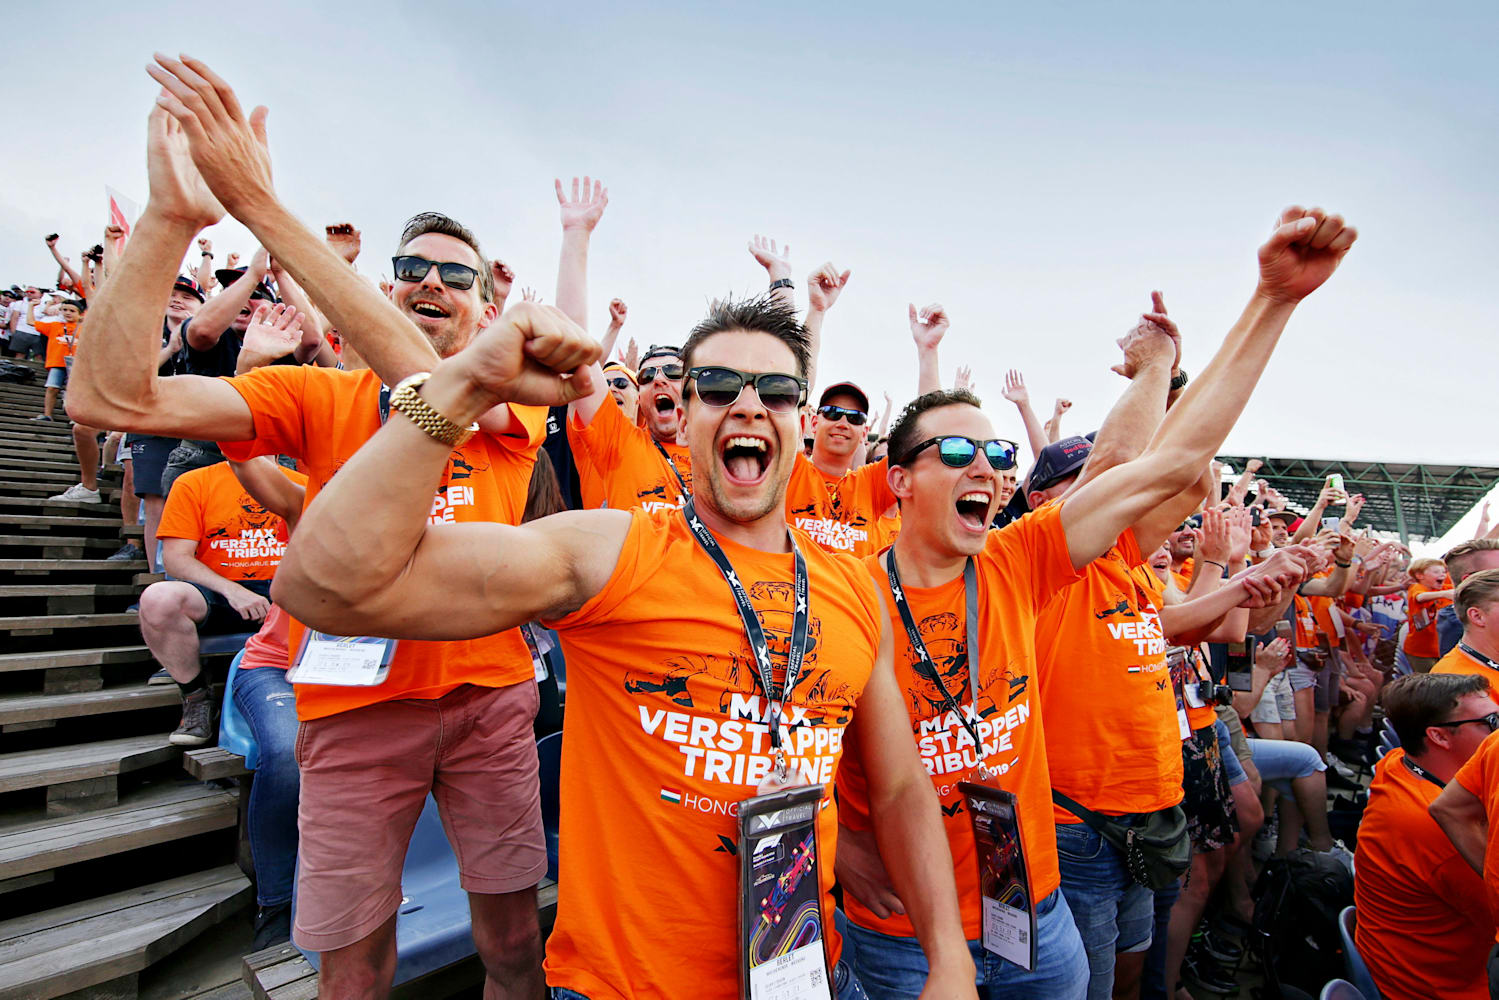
111,857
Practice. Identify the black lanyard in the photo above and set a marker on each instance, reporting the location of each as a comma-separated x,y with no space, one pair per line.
1421,772
1478,656
755,634
924,658
674,471
384,403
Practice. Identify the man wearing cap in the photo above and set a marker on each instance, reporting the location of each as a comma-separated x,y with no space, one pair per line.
147,453
838,505
626,462
24,338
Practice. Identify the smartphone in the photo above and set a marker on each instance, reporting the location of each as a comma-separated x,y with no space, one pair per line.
1241,664
1254,517
1331,523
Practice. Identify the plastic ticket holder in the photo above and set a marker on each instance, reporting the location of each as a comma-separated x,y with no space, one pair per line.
783,955
342,660
1004,880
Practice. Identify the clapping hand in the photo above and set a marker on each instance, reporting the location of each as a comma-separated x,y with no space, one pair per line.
274,332
1148,340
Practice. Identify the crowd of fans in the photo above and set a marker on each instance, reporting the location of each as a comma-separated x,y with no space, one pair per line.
1156,672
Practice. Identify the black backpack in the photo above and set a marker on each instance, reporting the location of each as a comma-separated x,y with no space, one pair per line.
12,372
1297,900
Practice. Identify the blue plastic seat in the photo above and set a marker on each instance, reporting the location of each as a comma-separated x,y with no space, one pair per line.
1353,962
1387,731
549,757
1380,751
1342,989
235,734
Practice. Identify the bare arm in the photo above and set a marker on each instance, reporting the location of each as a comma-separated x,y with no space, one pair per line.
64,268
273,489
179,558
908,826
824,285
204,276
1300,255
215,316
420,580
1016,392
777,263
311,344
1435,595
618,312
1462,817
928,327
580,214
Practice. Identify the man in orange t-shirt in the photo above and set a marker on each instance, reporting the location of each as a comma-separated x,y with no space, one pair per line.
670,724
946,508
222,547
62,343
1423,924
1478,609
622,464
449,719
1467,810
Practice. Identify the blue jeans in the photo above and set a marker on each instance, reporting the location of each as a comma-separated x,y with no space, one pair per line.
845,987
1282,761
1153,985
265,699
1113,912
894,968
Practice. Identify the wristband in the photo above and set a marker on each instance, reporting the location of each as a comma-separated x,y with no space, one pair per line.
781,283
207,254
1341,565
1214,562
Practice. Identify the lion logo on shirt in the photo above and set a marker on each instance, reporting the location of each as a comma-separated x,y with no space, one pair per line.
945,643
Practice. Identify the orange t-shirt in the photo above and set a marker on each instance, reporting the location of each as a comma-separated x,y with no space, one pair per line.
841,513
270,647
1306,624
1112,738
621,466
1188,666
1480,775
665,736
237,538
1421,639
62,341
1458,662
1022,565
1188,566
321,416
1423,926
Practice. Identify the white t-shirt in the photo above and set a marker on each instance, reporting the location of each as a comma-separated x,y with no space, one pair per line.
19,308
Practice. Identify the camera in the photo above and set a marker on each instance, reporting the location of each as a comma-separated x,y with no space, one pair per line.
1212,693
51,237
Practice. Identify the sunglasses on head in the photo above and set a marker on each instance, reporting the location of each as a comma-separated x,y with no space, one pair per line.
958,452
1491,720
778,392
671,372
618,382
855,418
409,267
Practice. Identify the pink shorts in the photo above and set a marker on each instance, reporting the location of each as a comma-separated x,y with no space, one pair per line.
365,777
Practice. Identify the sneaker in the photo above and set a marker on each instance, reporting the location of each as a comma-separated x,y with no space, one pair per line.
1225,949
129,552
42,416
196,728
161,677
1205,972
79,492
272,927
1331,759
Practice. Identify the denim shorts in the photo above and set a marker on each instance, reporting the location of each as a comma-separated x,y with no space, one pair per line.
895,968
1113,912
57,378
1282,761
1277,704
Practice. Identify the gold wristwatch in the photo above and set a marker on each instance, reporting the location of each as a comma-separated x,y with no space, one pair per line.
408,401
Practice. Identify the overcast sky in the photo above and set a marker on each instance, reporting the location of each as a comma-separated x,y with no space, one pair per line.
1037,168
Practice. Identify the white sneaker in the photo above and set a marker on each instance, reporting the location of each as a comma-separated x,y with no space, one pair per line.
78,491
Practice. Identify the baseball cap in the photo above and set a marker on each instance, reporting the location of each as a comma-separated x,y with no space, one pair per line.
847,389
619,367
1057,461
186,284
229,275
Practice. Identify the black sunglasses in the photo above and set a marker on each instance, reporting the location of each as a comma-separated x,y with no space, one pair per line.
778,392
618,382
958,452
1491,720
855,418
669,372
454,275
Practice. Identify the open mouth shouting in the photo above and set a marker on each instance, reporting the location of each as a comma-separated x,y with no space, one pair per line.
746,459
428,309
664,403
973,510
